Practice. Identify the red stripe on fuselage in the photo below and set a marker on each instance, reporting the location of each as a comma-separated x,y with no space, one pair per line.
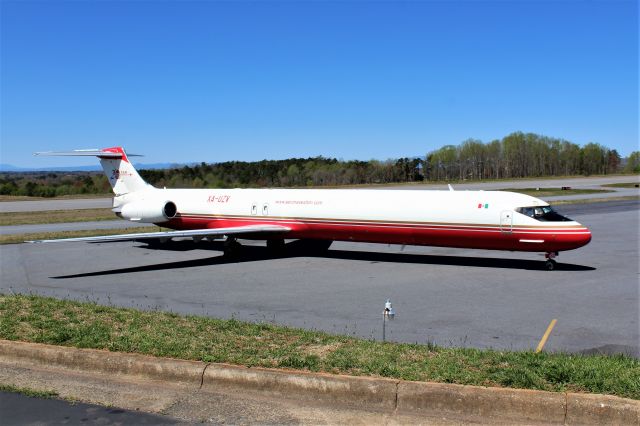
453,235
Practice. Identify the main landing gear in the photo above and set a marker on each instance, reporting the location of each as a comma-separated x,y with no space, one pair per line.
231,247
550,264
276,247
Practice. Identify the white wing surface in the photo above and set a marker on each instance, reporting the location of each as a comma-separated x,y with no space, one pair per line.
167,235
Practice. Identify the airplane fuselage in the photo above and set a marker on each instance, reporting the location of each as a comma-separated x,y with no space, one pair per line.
493,220
464,219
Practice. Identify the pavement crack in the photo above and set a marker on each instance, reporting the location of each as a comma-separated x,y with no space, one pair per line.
566,407
202,376
24,267
395,404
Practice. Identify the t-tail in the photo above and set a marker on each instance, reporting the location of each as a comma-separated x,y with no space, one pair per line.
122,176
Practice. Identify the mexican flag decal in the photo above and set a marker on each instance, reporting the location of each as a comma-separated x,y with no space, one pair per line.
480,205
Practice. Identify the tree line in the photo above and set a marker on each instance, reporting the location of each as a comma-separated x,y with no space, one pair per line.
53,184
524,155
293,172
514,156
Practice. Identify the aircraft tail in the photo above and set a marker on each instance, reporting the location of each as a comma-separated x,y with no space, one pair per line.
122,176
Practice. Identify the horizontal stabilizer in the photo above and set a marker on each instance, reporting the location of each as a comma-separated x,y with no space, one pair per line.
86,153
167,235
122,176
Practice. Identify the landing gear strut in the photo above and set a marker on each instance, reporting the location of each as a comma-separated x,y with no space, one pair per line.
232,247
550,264
315,247
276,247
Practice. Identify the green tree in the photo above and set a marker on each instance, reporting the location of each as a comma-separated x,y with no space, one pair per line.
633,163
594,159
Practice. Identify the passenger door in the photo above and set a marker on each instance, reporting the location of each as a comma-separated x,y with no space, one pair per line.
506,221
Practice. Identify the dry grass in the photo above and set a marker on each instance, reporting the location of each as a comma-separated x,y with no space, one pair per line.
55,216
64,197
623,185
546,192
597,200
21,238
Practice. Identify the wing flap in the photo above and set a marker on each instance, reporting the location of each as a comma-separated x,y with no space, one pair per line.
202,233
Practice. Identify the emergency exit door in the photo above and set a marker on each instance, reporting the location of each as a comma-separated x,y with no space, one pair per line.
506,221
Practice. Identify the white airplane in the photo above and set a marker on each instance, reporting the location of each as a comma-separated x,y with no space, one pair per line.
491,220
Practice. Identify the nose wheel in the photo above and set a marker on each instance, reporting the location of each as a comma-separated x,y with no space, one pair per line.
550,263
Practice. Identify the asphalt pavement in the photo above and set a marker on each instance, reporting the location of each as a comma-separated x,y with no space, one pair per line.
55,204
18,409
473,298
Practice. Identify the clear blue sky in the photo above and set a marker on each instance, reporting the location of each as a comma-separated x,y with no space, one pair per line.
215,81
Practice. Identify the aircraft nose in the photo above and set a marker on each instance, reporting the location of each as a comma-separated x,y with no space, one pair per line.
583,237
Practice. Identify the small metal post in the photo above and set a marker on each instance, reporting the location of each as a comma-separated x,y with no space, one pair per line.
389,313
384,325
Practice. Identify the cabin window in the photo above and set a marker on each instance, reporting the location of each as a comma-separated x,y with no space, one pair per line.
543,214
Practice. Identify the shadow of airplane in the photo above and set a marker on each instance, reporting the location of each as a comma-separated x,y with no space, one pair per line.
296,249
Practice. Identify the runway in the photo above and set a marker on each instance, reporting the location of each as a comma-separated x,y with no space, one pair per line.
55,204
457,297
75,226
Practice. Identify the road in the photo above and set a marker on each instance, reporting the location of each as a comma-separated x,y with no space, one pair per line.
55,204
18,409
175,403
457,297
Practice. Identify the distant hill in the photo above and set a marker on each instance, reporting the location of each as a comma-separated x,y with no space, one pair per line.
8,168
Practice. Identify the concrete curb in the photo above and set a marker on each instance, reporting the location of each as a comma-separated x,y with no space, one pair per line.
493,404
173,370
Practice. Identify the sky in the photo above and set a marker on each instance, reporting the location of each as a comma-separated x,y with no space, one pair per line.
210,81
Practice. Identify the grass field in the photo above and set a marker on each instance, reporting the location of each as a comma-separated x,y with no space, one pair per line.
596,200
546,192
89,325
56,216
20,238
65,197
622,185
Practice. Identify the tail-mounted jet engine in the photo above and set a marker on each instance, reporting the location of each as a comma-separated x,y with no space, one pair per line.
149,211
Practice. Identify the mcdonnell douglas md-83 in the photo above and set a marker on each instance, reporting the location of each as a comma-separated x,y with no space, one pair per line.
491,220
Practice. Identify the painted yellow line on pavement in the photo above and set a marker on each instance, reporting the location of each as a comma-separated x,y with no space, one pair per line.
546,335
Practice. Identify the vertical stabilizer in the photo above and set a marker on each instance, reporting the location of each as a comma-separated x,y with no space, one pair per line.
123,177
121,174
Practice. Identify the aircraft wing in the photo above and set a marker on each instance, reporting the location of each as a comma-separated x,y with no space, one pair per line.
167,235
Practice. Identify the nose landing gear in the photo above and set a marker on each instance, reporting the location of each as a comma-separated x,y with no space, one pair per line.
550,264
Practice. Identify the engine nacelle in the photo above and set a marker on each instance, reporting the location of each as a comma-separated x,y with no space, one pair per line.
149,211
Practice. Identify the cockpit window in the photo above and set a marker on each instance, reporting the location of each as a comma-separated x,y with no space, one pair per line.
543,214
